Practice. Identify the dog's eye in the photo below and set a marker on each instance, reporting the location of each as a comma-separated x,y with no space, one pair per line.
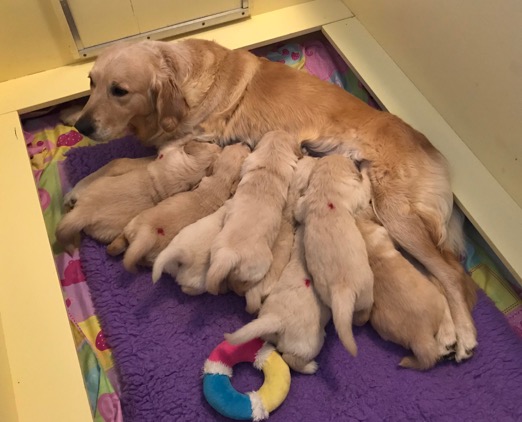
118,92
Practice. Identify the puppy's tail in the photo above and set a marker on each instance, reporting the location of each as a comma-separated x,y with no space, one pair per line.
140,246
221,263
68,230
267,324
343,302
169,261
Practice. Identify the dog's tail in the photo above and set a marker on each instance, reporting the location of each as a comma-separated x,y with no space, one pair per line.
267,324
140,246
221,263
426,354
169,260
343,302
68,230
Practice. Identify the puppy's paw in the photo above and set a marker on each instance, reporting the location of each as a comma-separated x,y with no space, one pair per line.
69,200
310,368
117,246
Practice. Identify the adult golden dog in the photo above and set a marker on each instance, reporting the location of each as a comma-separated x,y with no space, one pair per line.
161,91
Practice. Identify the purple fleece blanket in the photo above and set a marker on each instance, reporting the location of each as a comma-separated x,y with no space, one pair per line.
161,338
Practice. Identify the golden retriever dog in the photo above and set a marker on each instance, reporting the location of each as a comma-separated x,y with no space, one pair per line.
187,257
242,251
103,206
292,317
151,231
408,308
283,243
160,89
335,250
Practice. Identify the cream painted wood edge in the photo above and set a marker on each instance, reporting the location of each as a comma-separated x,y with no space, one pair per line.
45,372
65,83
8,410
488,206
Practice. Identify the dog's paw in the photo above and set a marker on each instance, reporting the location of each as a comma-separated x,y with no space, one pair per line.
447,340
466,344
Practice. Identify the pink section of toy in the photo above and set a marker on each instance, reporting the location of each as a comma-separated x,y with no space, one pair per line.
231,355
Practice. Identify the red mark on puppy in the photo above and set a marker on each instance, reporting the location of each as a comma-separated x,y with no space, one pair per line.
331,206
160,156
307,282
161,232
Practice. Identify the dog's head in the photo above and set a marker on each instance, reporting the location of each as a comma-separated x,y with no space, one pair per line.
134,88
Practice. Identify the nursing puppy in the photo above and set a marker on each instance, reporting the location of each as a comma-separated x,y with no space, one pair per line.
292,317
408,309
103,207
242,250
335,250
151,231
187,257
283,243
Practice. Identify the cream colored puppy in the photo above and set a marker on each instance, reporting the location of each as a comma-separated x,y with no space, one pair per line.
151,231
292,317
283,243
104,206
187,257
335,250
408,309
242,250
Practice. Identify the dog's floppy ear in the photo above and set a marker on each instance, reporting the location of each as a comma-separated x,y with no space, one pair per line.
170,102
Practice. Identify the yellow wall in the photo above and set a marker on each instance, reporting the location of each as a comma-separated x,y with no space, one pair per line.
465,57
33,37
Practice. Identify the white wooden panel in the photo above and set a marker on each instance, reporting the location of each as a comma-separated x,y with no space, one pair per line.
100,21
155,14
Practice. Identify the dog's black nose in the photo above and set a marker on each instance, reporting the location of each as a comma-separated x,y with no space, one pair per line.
85,126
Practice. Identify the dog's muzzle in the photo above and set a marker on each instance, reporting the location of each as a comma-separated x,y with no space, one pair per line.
85,126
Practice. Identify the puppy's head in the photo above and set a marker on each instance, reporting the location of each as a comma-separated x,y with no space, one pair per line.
134,88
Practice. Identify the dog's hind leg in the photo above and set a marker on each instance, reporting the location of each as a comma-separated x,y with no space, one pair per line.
446,336
409,231
299,364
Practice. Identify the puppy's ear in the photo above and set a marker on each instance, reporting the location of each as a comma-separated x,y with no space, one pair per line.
298,151
194,147
234,186
210,169
330,146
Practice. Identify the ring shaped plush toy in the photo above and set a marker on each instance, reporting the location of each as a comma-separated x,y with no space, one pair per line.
256,405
